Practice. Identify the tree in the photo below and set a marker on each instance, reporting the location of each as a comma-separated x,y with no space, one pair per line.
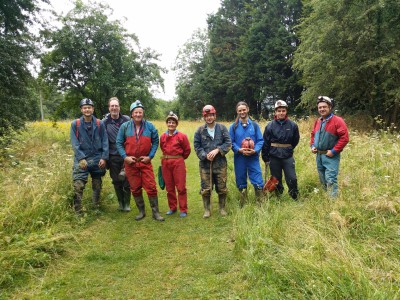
249,53
94,57
189,66
349,51
267,54
17,49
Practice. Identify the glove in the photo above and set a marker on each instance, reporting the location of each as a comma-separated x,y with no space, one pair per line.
83,164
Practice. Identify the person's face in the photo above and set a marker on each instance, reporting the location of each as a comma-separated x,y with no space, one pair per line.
210,118
137,114
242,111
87,110
114,109
324,109
281,113
171,124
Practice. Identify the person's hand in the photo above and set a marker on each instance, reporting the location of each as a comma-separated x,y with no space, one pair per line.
130,160
144,159
83,164
211,155
314,150
249,151
102,164
329,153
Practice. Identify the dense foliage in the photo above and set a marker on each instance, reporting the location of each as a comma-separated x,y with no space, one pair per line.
94,57
17,49
350,50
259,51
246,54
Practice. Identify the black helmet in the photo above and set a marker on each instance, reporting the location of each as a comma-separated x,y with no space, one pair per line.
86,101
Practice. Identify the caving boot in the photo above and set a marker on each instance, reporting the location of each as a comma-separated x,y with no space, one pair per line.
96,187
243,197
140,205
259,194
222,203
79,186
120,196
206,203
127,200
154,208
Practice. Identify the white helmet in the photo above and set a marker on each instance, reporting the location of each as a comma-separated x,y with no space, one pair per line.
280,103
325,99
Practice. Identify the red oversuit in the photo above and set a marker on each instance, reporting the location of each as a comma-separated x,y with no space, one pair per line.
176,149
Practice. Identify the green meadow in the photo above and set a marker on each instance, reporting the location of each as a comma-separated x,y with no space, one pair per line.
314,248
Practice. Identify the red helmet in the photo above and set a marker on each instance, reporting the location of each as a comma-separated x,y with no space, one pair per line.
209,109
247,143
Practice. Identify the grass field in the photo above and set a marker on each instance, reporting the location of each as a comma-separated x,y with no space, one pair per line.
281,249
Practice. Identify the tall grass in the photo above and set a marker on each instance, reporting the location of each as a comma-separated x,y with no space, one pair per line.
35,193
318,248
313,248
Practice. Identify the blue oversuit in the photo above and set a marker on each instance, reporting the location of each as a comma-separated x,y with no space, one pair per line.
247,165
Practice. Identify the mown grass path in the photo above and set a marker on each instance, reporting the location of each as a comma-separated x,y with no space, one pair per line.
119,258
116,257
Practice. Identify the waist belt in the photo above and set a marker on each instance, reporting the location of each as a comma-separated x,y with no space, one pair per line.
322,151
280,145
171,156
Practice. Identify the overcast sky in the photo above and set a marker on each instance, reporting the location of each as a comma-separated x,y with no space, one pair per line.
162,25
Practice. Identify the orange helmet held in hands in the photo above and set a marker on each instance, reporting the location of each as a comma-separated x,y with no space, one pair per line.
247,143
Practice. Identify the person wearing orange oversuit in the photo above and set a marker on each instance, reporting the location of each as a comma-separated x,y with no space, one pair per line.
175,147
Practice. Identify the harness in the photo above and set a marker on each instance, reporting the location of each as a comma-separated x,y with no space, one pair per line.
78,123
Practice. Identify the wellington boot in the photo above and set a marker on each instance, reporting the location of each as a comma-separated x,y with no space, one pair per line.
120,196
140,205
207,210
154,208
222,203
96,187
259,194
243,197
79,186
127,200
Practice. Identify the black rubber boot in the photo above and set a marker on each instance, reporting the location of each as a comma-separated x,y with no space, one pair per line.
154,208
140,205
127,200
120,196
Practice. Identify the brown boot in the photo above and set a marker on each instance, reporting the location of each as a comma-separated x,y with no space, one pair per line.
154,208
140,205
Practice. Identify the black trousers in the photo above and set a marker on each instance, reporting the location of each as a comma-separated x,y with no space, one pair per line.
116,163
287,165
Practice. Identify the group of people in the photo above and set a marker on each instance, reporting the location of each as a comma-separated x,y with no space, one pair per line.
126,146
